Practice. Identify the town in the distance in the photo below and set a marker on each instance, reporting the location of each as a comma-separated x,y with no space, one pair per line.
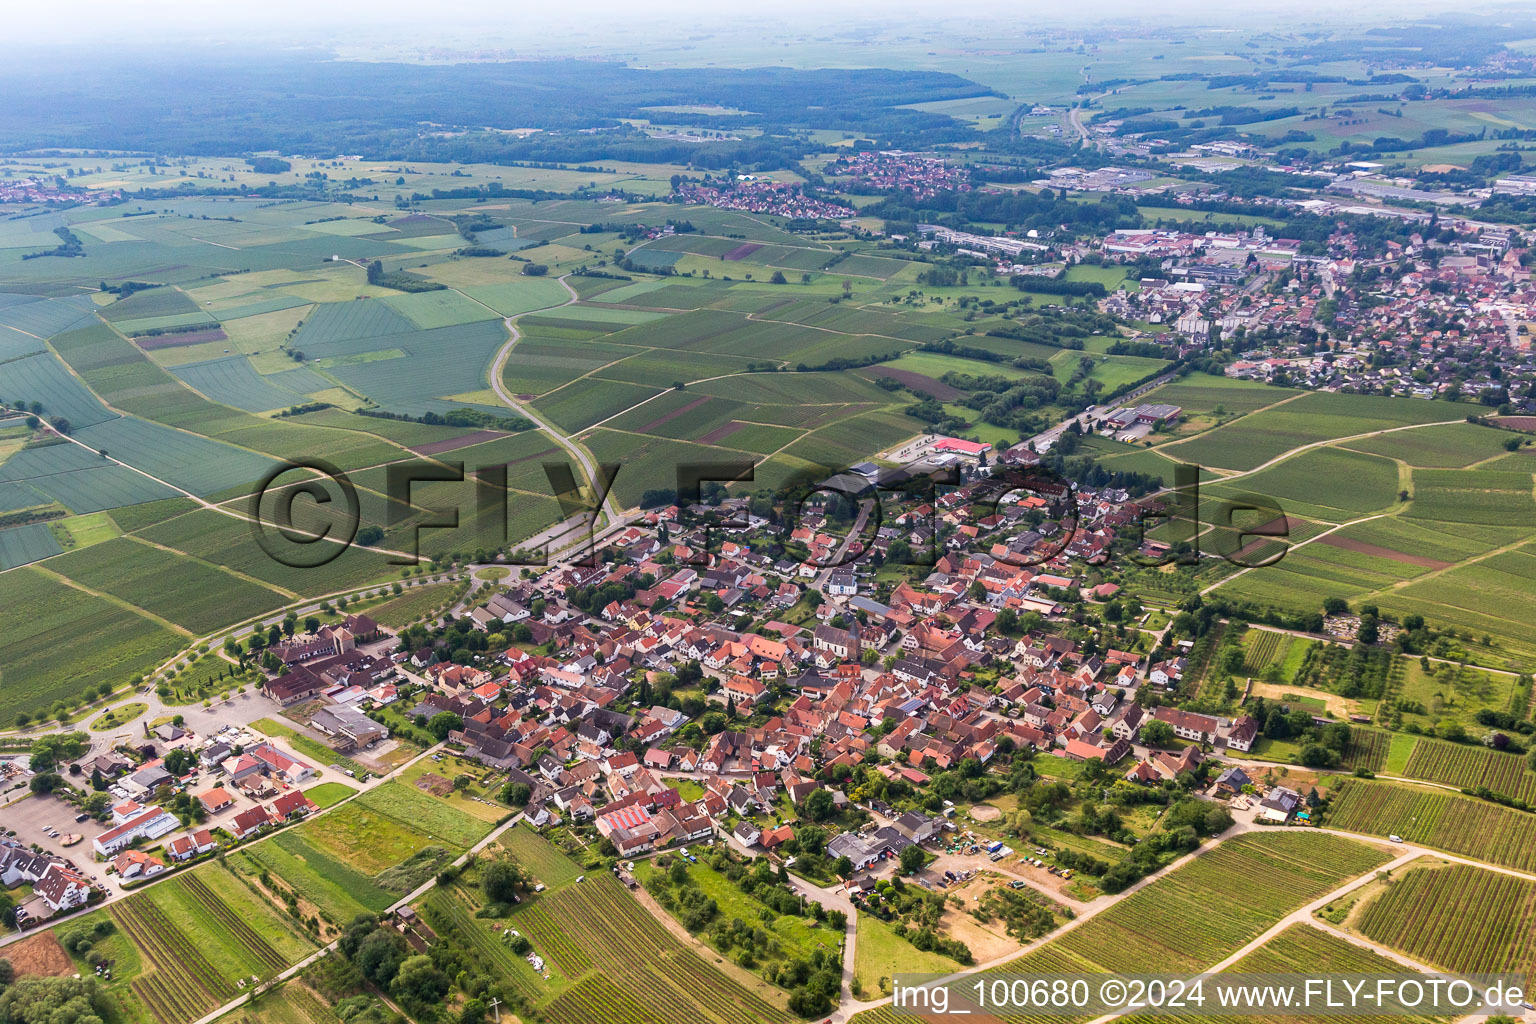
691,523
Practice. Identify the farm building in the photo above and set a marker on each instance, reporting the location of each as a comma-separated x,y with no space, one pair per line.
1279,804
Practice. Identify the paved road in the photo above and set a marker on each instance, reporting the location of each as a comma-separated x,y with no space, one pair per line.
565,441
113,896
1082,419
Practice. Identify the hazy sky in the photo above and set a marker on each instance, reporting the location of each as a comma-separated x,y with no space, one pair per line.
520,24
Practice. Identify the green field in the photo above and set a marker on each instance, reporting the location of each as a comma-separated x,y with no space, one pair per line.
183,591
539,856
1448,821
413,605
795,936
328,794
605,953
41,658
1460,918
881,954
1472,767
198,939
411,808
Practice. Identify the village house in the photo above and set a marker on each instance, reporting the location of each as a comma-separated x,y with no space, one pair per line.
1188,725
137,864
62,889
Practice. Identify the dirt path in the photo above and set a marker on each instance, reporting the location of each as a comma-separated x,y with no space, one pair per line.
1338,705
747,979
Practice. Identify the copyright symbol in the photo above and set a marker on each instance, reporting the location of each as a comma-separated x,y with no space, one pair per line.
327,531
1112,992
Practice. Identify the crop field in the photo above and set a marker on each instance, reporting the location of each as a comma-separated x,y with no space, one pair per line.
1472,767
1358,484
450,911
1495,497
1315,416
1460,918
184,460
1303,950
43,317
225,541
1280,871
183,591
576,408
539,364
662,368
626,964
608,957
74,477
1368,748
233,381
1455,446
438,363
293,1003
1447,821
650,462
232,937
21,545
439,309
1263,648
333,322
42,378
41,658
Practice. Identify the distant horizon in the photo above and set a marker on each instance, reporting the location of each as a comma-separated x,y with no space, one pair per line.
354,28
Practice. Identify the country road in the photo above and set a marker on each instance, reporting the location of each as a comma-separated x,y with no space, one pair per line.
565,441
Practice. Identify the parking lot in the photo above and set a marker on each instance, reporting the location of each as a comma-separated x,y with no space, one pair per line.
29,817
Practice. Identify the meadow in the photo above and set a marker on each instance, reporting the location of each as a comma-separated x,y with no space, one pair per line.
796,936
362,856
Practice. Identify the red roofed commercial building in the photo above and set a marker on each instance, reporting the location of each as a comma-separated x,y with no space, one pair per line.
275,762
148,824
629,828
632,817
959,447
